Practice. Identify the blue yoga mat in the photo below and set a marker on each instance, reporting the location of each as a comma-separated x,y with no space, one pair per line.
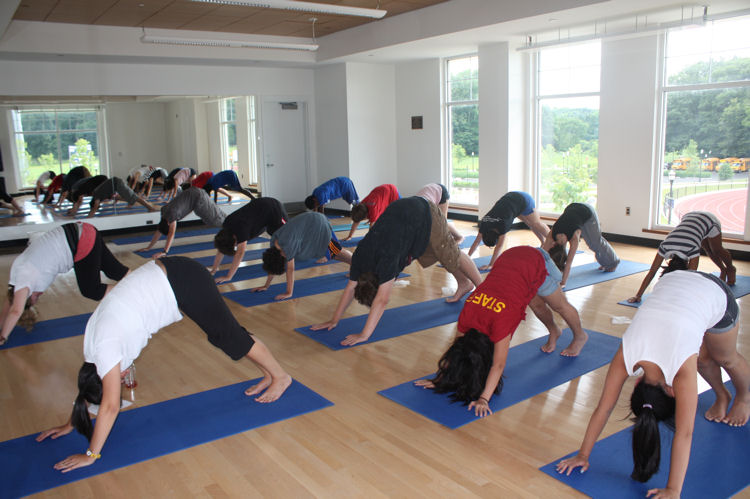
302,288
178,249
528,372
149,432
342,227
586,275
395,322
54,329
718,466
255,271
740,288
180,233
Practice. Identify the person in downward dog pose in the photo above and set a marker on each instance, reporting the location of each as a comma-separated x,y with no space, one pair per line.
372,206
688,326
77,246
155,293
578,221
339,187
682,247
499,220
410,228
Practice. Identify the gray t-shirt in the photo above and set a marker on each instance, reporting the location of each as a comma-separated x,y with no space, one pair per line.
193,199
304,237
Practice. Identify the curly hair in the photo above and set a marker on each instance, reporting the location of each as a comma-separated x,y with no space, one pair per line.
464,367
225,242
674,263
366,288
311,202
273,261
359,212
649,404
89,390
559,256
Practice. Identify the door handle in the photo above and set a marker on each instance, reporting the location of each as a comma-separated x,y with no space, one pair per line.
269,165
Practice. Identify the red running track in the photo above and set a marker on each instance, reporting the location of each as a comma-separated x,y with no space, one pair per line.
728,206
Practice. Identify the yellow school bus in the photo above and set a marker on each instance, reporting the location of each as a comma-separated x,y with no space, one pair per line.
681,164
710,164
740,164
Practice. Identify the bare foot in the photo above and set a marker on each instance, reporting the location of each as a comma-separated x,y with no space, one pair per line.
463,288
424,383
739,413
259,387
275,390
718,412
551,344
575,346
609,269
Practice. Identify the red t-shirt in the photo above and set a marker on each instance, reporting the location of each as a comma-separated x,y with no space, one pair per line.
56,182
201,179
379,199
498,305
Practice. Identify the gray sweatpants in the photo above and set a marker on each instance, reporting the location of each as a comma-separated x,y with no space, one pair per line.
591,232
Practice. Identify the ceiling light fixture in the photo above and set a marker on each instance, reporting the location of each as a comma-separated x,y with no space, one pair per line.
318,8
204,42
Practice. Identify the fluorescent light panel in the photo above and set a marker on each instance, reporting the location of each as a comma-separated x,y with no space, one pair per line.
205,42
321,8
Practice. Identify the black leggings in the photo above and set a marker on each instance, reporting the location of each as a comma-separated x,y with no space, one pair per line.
87,270
199,298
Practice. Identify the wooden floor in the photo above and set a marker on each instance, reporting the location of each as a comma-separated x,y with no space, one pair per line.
364,445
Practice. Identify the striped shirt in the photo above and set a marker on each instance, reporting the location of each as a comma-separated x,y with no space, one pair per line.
685,240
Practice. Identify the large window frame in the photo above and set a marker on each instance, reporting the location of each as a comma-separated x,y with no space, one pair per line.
571,158
243,119
461,196
668,164
26,174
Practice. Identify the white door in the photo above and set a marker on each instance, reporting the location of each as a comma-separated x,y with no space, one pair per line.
285,151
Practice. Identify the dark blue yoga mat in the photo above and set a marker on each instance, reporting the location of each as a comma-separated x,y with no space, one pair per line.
528,372
395,322
255,254
302,288
178,249
255,271
149,432
586,275
49,330
740,288
180,233
718,466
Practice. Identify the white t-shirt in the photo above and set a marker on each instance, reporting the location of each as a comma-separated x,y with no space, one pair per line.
140,305
47,255
43,177
143,170
431,192
669,326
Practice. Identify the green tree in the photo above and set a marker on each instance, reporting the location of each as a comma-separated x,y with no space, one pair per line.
726,171
83,155
47,160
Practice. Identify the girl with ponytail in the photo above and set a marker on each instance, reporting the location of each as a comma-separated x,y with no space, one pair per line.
151,298
471,369
687,326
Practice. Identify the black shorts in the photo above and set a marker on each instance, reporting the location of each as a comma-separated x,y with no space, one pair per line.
445,196
199,298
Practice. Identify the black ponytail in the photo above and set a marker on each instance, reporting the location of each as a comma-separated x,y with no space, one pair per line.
675,263
89,390
463,368
650,404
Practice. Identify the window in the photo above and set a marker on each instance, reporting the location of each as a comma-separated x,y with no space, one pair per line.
462,109
705,154
229,152
567,118
55,139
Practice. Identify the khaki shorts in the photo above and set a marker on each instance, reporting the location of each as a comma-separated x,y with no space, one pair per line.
442,247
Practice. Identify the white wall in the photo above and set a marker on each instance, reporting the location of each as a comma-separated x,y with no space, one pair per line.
371,106
332,139
627,131
136,136
418,152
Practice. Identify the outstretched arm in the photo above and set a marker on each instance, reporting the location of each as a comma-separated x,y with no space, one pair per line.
376,312
658,259
616,376
157,236
238,256
12,312
476,243
289,281
170,239
351,231
344,302
571,255
481,406
108,411
495,252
